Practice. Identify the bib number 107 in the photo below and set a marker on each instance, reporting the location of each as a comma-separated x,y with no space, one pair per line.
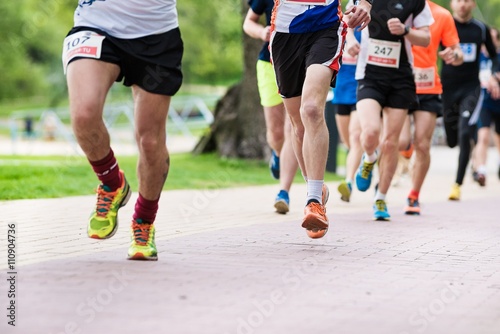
86,44
71,44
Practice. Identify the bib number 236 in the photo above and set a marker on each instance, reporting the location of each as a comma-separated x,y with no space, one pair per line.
87,44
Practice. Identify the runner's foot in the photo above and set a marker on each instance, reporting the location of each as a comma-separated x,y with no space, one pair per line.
103,221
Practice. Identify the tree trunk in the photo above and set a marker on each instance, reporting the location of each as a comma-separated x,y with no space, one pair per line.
239,128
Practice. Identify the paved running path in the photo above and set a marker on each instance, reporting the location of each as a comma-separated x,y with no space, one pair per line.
229,264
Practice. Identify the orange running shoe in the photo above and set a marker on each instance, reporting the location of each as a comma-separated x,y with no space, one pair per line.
325,194
413,207
408,152
315,221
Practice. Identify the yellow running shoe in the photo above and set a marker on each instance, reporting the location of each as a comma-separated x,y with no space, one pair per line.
345,190
103,222
142,244
455,193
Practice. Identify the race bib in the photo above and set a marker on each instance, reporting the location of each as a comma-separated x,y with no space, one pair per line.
307,2
87,44
383,53
470,52
424,77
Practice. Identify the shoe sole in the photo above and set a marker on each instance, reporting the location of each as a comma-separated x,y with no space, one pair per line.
113,231
142,257
412,211
385,219
281,207
316,234
312,222
344,192
454,199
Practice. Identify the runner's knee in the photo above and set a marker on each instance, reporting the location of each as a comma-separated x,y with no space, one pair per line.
422,146
389,145
86,115
311,113
149,142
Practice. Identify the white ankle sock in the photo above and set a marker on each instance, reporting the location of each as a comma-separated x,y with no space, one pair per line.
314,190
371,158
481,169
379,195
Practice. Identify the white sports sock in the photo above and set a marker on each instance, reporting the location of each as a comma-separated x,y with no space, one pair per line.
371,158
379,196
314,190
481,169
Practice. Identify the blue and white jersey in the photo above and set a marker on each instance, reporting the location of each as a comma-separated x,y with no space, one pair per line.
127,19
294,17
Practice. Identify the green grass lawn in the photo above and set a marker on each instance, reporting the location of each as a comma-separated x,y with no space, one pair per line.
27,177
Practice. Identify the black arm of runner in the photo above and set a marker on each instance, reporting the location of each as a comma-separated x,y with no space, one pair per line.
492,52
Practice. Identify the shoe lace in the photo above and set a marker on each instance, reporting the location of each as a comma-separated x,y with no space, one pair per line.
366,170
104,200
141,232
317,208
380,204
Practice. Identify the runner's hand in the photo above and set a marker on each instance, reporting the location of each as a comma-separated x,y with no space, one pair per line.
396,27
448,55
359,15
352,48
493,87
265,35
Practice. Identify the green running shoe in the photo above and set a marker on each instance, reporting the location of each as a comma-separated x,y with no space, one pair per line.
103,222
142,241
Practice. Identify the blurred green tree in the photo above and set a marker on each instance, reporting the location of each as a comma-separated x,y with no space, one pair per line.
33,31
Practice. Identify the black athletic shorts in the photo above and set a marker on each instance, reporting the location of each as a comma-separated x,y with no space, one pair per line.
429,102
151,62
344,109
292,54
392,93
489,115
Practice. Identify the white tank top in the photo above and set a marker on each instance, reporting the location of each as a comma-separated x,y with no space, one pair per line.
127,19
